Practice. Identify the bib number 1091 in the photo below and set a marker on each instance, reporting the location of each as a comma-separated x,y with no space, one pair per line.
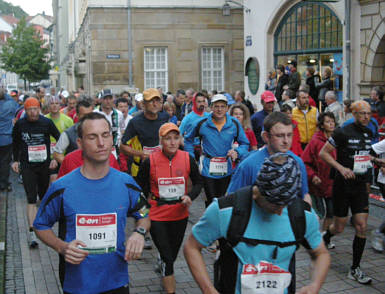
97,236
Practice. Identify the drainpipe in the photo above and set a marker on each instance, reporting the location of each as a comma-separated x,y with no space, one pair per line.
347,48
130,80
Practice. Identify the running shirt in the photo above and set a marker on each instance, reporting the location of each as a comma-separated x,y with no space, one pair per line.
95,212
146,130
31,140
62,123
353,144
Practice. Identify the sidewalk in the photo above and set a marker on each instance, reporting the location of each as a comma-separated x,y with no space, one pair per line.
36,271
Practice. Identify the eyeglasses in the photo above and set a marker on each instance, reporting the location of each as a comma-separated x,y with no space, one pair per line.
364,113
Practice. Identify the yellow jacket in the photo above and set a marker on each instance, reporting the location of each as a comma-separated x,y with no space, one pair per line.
307,123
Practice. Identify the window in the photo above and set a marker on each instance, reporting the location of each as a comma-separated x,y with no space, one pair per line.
155,68
308,27
212,68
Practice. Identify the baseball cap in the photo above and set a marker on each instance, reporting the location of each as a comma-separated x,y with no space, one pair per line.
268,96
65,94
279,179
31,102
150,93
166,128
218,97
106,92
139,97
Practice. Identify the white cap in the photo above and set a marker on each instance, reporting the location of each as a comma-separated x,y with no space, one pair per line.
218,97
65,94
139,97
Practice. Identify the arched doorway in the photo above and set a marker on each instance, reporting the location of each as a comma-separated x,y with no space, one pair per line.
312,34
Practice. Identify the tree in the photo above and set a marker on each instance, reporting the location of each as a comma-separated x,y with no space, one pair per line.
25,55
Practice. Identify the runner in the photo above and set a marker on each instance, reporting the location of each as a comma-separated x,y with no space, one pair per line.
217,133
264,266
145,126
91,205
164,177
353,144
32,156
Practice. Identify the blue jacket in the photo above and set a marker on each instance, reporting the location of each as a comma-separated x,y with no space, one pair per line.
8,108
217,144
189,121
257,124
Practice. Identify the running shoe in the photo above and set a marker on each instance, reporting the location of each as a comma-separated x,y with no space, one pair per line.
158,264
327,242
147,243
331,245
33,240
359,276
378,240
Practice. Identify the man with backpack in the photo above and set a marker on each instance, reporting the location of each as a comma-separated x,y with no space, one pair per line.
264,224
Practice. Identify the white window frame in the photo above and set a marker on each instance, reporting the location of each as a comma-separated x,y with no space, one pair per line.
155,69
210,85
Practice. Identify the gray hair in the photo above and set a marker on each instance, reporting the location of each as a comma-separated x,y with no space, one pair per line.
330,95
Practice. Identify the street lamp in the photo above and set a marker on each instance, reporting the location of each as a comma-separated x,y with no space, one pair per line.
226,8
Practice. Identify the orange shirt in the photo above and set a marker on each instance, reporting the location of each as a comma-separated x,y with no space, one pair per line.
219,125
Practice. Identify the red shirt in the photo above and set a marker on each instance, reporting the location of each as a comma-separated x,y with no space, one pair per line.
251,136
74,160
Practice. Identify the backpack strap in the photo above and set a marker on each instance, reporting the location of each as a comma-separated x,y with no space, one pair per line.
296,211
237,125
241,203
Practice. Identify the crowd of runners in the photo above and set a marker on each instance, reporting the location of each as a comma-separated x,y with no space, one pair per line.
288,174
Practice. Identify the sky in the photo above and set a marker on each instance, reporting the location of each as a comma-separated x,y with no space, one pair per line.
34,7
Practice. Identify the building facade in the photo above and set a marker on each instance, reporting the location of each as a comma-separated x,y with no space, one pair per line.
313,34
172,44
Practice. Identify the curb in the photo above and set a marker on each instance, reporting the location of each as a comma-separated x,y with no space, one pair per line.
3,237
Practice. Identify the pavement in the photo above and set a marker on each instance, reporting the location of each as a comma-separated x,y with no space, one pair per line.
35,271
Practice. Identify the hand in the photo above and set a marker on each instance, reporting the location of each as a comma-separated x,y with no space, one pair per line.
347,173
145,155
309,289
316,180
232,154
53,164
186,201
16,167
382,169
134,246
72,254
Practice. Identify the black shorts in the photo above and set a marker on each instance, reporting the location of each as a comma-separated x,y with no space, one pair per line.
215,188
35,180
353,194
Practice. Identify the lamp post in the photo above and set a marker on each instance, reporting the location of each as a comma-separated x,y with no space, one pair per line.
226,8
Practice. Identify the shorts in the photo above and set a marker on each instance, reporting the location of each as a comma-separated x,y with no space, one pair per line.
215,187
35,181
351,194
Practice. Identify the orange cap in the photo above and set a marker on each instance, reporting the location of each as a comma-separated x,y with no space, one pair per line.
150,93
168,127
31,102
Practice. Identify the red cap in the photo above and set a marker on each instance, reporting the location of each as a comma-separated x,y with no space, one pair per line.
268,96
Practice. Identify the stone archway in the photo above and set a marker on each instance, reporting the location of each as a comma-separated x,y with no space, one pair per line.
372,51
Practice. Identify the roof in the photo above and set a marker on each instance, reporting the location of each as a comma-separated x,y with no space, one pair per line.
10,19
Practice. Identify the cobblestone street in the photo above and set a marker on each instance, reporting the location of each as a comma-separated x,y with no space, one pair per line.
36,271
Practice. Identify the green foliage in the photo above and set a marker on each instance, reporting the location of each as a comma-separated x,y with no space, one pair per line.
24,55
8,8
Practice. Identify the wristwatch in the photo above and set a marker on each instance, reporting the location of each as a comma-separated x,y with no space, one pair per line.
141,231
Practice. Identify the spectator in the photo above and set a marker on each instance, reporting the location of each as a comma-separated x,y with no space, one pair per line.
282,80
271,81
311,79
294,78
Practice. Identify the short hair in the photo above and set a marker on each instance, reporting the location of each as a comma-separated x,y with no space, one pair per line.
180,92
286,108
321,119
328,70
274,118
125,92
246,124
241,93
91,116
304,88
281,68
330,95
200,94
288,92
71,97
311,70
83,102
293,63
379,91
121,100
168,105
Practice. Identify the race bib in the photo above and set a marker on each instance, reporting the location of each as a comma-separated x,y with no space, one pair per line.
97,231
53,144
37,153
150,150
218,166
361,164
171,188
264,278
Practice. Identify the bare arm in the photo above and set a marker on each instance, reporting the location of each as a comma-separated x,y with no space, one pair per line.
347,173
321,263
132,152
135,242
59,157
70,251
192,253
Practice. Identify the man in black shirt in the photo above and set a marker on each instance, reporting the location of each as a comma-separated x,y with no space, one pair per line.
353,145
32,156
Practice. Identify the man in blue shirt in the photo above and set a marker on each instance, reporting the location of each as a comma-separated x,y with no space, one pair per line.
265,265
268,101
8,108
91,205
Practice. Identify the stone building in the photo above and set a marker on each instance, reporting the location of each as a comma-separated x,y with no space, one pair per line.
173,44
313,33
